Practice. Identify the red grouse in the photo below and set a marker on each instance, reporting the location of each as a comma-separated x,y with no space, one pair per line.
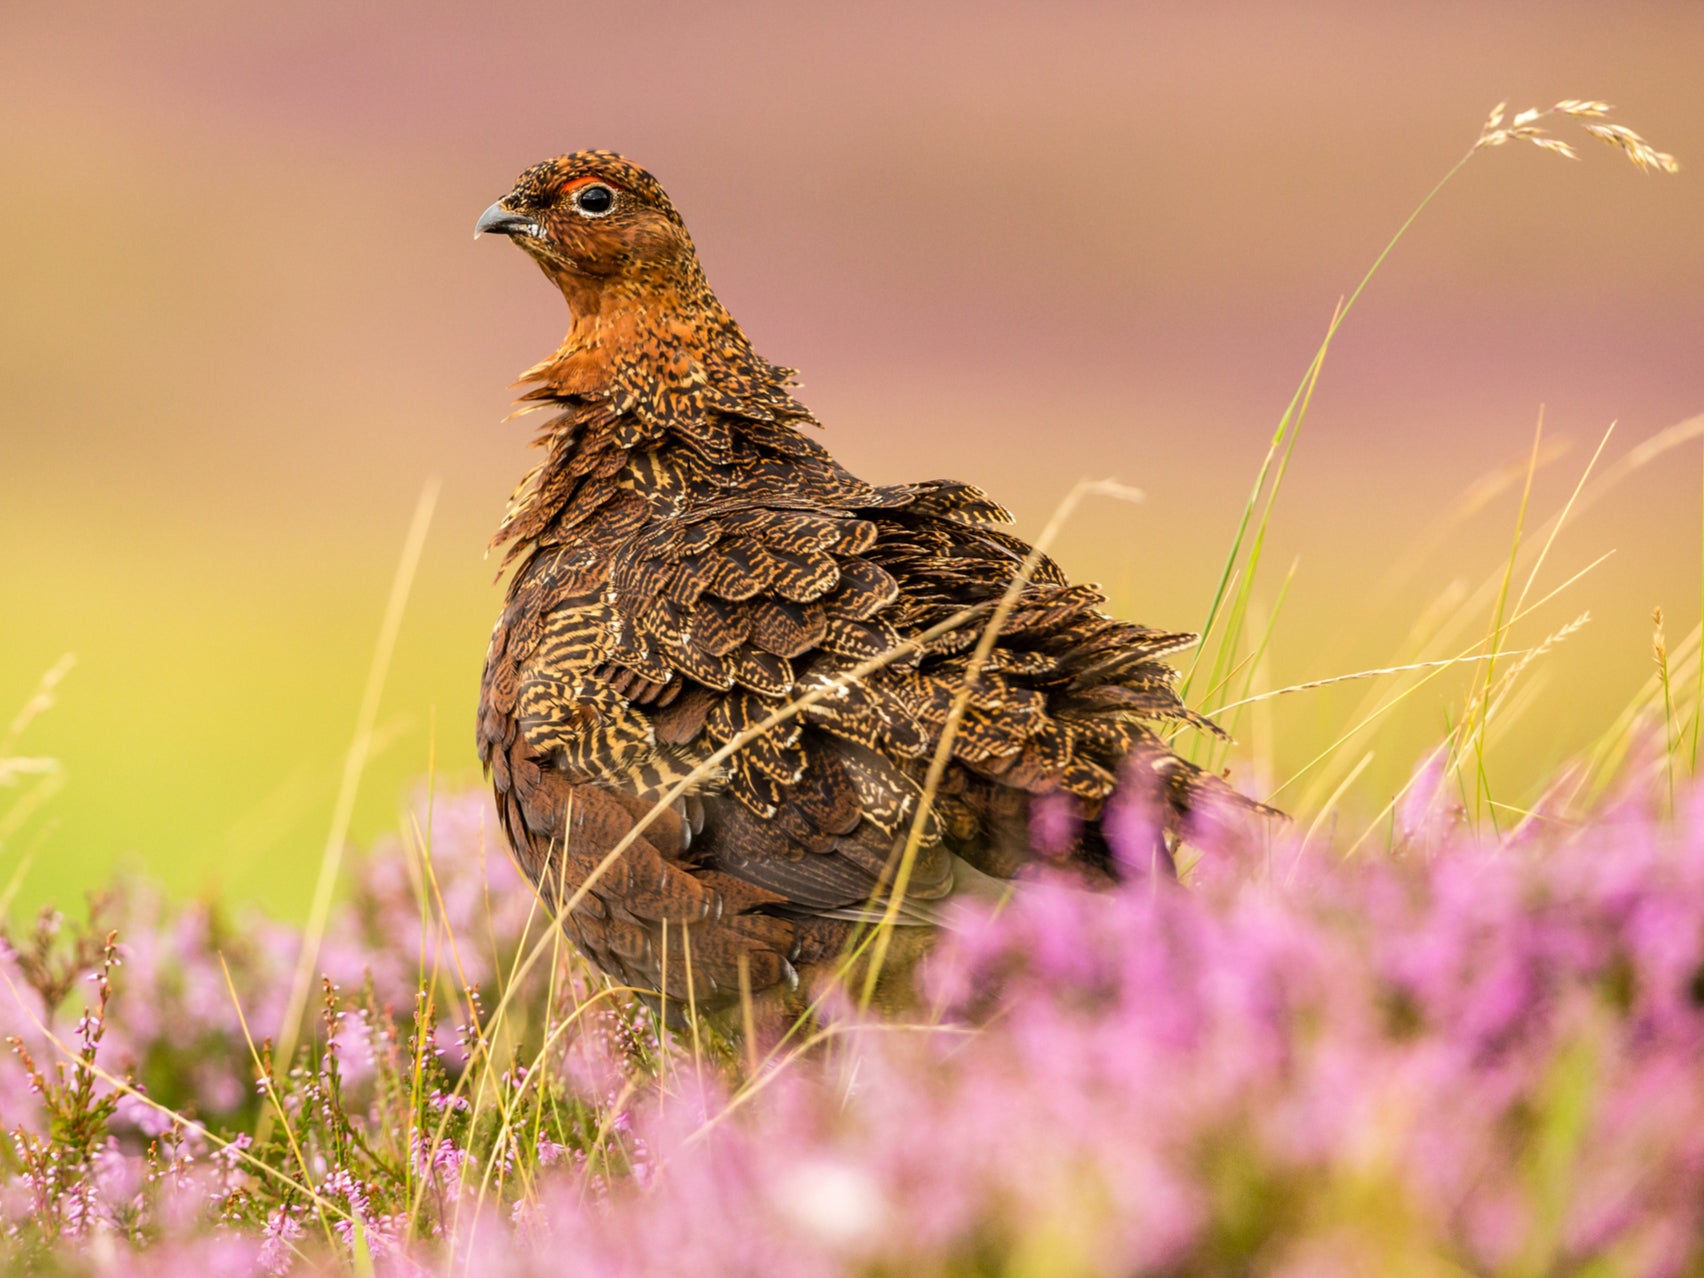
687,562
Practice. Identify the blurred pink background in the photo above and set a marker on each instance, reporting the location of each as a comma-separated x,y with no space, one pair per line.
244,320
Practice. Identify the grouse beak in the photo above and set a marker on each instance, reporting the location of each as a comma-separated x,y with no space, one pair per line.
500,221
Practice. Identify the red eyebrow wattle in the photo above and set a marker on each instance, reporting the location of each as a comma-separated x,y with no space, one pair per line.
574,184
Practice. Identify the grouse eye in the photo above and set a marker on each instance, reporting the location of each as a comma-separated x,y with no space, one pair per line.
594,200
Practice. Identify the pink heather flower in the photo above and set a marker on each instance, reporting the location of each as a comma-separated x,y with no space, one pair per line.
137,1113
1053,824
118,1175
280,1231
77,1208
353,1045
1132,825
550,1152
441,1156
438,1099
218,1085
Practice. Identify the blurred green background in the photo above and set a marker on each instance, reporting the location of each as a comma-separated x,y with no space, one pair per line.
244,322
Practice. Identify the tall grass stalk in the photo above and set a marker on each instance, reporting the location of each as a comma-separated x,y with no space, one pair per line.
42,777
1698,687
354,764
1479,710
1659,650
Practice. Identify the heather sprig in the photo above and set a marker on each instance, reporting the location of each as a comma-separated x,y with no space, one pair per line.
58,1157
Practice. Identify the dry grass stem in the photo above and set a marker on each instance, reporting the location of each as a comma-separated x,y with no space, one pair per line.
1659,649
360,749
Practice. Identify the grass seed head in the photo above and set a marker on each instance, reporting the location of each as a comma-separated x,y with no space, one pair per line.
1525,128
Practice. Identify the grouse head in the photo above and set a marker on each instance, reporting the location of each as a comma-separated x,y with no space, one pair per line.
649,335
595,219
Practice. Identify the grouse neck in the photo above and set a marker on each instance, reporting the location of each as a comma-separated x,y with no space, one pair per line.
668,355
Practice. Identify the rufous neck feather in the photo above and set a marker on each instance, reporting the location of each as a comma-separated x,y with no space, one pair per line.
674,359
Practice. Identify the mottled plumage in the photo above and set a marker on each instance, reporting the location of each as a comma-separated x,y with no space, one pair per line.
686,560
